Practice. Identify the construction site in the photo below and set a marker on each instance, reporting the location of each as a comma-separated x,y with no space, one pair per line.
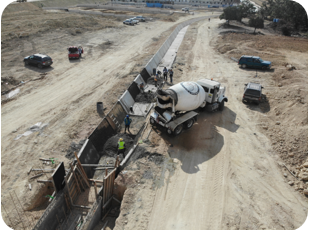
196,156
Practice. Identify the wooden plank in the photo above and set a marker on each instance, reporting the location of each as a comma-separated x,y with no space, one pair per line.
103,168
116,163
107,203
37,176
30,170
95,190
116,200
74,195
70,177
81,182
106,214
96,165
81,206
81,168
68,190
45,159
98,181
72,189
44,181
43,170
66,201
83,177
79,190
110,173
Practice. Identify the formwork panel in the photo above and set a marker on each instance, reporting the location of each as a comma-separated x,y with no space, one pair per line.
145,75
133,90
117,114
89,155
101,134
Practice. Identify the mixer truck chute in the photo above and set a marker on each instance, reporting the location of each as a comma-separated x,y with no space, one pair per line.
177,106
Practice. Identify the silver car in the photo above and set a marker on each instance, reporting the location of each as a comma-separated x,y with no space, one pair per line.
140,18
128,22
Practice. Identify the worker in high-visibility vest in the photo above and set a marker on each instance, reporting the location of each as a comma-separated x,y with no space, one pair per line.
121,146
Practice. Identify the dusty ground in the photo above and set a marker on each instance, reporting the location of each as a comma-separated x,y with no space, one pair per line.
66,96
224,173
228,172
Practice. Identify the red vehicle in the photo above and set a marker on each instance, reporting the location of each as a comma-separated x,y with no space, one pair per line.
74,52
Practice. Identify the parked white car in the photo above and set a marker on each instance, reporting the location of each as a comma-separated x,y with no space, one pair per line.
140,18
128,22
185,9
134,20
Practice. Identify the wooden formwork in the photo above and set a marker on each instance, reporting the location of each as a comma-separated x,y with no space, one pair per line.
108,189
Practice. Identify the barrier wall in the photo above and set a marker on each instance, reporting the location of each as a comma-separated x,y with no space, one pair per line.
56,208
139,80
126,100
88,155
101,134
117,113
134,90
155,60
145,75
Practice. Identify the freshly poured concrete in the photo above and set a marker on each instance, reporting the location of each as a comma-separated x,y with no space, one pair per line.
169,58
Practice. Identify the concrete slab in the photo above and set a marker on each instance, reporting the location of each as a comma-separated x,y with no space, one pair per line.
171,53
150,88
141,109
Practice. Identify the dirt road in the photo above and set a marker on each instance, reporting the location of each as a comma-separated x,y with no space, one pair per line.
227,175
66,98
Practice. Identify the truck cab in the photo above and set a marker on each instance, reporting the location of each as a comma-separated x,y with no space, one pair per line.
215,94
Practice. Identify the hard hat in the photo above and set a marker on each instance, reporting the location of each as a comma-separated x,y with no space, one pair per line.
120,139
127,115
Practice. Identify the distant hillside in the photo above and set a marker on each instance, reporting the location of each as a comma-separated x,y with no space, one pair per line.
50,3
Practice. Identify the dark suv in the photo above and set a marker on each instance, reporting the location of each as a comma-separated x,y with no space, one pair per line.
39,60
253,93
253,62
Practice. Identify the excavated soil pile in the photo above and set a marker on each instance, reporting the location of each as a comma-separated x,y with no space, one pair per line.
74,147
146,97
110,147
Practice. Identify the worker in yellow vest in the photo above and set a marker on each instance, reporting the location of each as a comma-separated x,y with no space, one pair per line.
121,146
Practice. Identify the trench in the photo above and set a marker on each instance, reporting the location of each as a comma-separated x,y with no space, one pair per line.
89,203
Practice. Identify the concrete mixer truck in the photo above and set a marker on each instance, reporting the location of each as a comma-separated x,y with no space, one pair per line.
177,107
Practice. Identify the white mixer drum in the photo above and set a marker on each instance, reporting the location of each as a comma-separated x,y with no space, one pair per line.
190,95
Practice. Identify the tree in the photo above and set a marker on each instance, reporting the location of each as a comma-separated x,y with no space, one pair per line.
256,23
287,10
246,9
231,13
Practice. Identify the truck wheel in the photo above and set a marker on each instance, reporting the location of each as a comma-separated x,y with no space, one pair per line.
243,66
170,132
221,106
40,66
152,121
263,67
189,123
178,129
